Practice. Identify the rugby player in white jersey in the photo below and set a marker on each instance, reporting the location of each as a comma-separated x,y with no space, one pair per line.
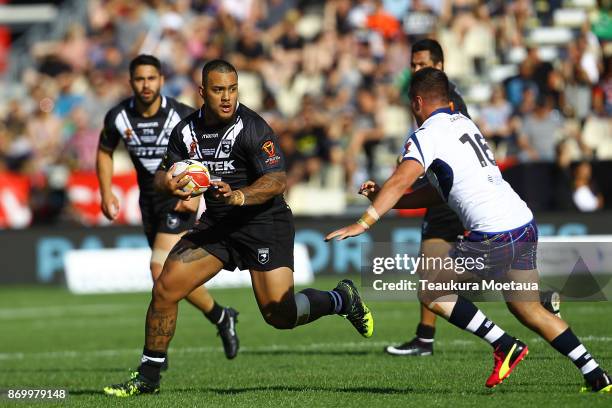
451,151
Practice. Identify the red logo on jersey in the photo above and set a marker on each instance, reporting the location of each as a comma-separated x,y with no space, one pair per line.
407,146
269,149
128,133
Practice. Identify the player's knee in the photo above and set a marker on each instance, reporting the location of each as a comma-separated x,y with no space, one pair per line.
161,293
425,297
278,319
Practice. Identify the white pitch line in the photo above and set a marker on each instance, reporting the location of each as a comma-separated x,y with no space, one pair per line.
189,350
365,346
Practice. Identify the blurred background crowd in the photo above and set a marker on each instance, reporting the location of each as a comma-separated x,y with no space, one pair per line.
331,77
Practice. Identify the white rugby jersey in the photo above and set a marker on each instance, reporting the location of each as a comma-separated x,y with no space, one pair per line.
460,165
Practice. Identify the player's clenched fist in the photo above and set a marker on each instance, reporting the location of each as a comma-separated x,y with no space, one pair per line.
110,206
369,189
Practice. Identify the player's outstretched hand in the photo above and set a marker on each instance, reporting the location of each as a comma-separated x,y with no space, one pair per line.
174,184
369,189
110,206
350,231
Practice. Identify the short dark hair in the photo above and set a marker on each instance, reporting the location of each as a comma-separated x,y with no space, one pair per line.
144,59
430,83
434,48
217,65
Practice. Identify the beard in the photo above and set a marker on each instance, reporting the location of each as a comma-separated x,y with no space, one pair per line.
147,101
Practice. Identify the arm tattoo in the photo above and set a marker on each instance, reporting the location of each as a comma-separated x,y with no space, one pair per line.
265,188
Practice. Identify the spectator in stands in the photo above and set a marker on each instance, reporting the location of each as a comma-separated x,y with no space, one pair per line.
295,162
518,84
311,139
420,20
597,130
271,13
368,131
68,97
132,21
249,49
513,23
528,103
460,16
336,17
347,62
495,121
383,22
73,49
541,131
44,135
577,82
602,94
587,197
80,152
16,147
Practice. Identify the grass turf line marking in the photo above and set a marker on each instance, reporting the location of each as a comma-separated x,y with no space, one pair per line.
268,348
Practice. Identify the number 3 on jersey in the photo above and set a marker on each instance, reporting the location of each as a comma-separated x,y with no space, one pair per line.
481,148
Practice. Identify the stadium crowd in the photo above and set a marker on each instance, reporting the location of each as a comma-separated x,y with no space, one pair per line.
331,77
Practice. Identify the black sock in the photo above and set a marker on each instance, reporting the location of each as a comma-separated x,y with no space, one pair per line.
425,334
150,365
467,316
312,304
343,306
568,344
216,314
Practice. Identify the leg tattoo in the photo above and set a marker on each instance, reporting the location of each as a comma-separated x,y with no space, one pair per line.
187,252
160,327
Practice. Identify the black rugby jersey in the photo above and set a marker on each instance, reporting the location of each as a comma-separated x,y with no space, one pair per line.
146,139
458,104
238,152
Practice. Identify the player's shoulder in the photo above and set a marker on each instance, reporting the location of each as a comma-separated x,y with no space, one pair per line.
182,108
186,120
123,105
250,118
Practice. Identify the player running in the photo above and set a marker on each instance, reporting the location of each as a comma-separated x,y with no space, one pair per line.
144,123
441,226
247,224
450,150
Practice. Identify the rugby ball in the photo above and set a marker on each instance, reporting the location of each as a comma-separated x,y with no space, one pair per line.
200,176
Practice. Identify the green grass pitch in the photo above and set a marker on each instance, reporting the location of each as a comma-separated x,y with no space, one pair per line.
52,339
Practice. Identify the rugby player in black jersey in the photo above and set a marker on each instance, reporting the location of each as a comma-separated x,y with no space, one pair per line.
247,225
441,226
144,123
